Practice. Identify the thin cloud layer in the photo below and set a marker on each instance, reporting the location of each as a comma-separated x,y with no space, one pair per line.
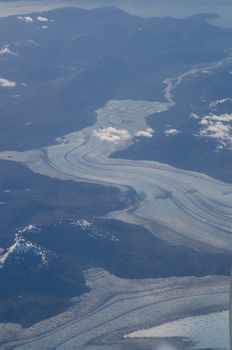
7,83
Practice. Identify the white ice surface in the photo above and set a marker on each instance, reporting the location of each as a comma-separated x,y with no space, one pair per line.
206,331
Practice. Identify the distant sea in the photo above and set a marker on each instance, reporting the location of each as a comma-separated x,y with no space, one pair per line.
144,8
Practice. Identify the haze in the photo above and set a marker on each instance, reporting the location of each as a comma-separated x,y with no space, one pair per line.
145,8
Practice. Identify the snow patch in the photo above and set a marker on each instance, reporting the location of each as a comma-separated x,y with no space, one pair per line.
30,228
93,231
82,223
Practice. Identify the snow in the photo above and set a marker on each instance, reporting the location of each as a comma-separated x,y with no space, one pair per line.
206,331
83,223
93,231
28,228
21,247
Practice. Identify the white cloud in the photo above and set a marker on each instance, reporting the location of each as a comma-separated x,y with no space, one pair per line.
204,121
220,147
217,130
145,133
219,102
217,127
44,27
28,123
5,51
219,118
7,83
42,19
111,134
171,132
194,116
26,19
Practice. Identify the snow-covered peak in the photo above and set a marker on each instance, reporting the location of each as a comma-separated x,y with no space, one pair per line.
83,223
93,230
30,228
19,248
